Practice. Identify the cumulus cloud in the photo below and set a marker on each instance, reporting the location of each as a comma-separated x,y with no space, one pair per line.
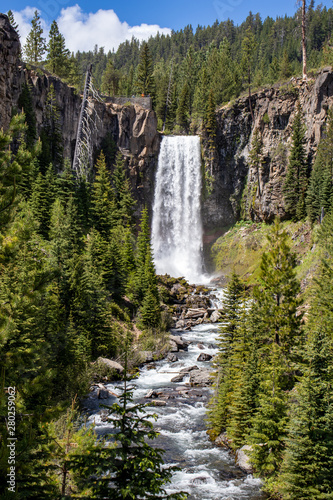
83,31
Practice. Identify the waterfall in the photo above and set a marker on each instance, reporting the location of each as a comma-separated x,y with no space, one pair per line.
176,225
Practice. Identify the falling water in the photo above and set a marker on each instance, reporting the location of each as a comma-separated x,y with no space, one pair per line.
177,226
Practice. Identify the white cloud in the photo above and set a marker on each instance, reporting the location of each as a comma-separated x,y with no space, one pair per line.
83,31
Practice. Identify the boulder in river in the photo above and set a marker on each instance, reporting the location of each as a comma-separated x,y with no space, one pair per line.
243,459
195,313
173,346
151,394
189,369
200,480
180,324
223,440
215,316
178,378
204,357
171,357
201,378
157,402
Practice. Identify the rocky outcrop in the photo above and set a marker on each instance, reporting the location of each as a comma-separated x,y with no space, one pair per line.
110,364
132,127
243,459
237,187
9,71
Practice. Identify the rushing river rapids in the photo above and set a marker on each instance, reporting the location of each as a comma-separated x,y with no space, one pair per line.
207,472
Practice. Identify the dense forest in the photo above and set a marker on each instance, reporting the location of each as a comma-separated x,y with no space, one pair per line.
76,270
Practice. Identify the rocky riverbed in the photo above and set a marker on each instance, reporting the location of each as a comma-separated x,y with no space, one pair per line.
178,389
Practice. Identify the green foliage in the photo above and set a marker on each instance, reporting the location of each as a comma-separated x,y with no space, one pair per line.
110,79
102,198
296,181
35,47
145,82
14,168
12,21
57,54
124,202
320,190
132,468
210,122
25,103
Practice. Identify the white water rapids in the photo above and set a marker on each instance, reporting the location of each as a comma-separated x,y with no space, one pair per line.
207,472
176,225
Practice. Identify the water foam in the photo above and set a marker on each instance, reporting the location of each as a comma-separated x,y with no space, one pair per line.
176,225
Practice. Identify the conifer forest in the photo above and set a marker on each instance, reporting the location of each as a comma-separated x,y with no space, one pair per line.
114,323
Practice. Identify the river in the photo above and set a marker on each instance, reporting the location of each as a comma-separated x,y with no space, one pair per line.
207,472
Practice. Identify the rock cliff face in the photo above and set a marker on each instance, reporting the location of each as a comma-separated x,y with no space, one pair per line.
132,127
237,190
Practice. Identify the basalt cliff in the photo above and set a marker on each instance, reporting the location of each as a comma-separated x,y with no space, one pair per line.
240,190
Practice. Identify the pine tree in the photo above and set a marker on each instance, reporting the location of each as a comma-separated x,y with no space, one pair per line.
35,44
102,199
183,108
249,46
296,180
42,198
14,167
285,68
232,309
57,54
12,21
133,469
308,465
201,93
320,191
145,81
122,192
110,79
277,302
279,336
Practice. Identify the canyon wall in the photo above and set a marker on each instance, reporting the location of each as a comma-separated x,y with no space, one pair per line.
133,127
237,192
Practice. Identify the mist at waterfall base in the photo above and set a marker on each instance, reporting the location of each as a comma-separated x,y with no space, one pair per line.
177,225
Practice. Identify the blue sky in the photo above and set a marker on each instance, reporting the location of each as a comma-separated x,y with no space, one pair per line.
105,23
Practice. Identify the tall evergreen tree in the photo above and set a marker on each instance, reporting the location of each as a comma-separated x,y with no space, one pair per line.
320,190
57,54
145,81
110,79
122,192
231,322
296,180
134,469
102,199
35,47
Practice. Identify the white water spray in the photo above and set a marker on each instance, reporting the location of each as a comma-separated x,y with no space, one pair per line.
177,226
